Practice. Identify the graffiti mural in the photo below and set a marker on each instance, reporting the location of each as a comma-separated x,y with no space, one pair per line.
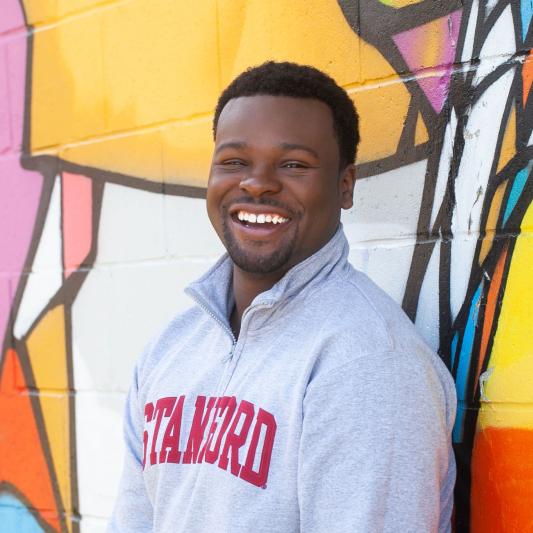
105,114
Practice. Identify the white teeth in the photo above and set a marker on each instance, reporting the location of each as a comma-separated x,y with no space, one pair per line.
262,218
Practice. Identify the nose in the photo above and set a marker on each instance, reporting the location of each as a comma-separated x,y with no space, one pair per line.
260,181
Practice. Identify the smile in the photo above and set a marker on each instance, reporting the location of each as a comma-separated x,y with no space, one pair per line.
261,218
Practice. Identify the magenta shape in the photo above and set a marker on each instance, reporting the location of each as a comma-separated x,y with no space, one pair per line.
12,17
5,119
19,199
413,45
20,189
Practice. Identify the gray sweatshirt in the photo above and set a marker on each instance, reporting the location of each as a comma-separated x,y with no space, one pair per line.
328,414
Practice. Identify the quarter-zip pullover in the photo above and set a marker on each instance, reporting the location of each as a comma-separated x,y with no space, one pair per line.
327,414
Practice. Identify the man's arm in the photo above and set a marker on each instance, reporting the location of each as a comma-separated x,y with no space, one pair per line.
375,453
133,510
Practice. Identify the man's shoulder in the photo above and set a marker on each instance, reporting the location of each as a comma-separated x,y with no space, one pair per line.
368,329
354,309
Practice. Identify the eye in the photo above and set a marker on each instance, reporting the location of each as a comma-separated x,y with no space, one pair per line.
294,164
233,163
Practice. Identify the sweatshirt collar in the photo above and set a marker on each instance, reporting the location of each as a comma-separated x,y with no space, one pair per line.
214,290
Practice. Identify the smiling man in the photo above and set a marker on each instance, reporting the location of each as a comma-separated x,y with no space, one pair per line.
294,395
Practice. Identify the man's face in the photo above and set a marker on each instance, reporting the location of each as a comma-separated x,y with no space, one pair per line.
275,191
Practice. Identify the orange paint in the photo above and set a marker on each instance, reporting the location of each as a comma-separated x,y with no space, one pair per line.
490,311
502,481
527,76
23,463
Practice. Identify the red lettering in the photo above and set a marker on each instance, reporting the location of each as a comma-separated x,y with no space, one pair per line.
264,418
163,407
148,415
228,404
233,440
198,426
171,440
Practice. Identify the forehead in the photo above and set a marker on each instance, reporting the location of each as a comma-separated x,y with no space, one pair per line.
276,119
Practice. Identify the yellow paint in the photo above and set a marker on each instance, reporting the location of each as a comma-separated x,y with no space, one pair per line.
383,113
508,148
187,148
67,85
400,3
46,11
492,220
312,32
48,357
512,353
123,68
130,89
133,153
421,132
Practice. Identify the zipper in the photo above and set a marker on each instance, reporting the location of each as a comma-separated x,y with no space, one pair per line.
230,368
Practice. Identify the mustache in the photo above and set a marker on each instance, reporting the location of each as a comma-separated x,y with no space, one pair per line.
264,202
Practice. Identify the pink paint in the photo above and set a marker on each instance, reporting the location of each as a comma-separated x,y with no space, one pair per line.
12,17
414,44
19,189
77,220
5,122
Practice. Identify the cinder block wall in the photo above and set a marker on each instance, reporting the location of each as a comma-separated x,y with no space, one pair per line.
105,117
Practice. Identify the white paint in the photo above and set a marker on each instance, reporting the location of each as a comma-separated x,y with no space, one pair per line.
45,278
188,231
427,315
387,266
470,36
481,134
386,206
134,227
489,6
90,524
100,449
444,167
498,47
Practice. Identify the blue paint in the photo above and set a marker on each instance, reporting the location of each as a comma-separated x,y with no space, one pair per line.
526,11
518,186
465,359
15,516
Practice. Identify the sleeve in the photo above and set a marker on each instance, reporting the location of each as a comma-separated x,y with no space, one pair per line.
133,509
375,452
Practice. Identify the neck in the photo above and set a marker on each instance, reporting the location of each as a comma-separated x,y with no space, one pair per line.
246,286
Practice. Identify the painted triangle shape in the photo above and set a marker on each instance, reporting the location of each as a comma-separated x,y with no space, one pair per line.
526,14
24,465
432,45
508,148
77,220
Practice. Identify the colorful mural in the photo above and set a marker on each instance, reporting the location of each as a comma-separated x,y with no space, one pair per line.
105,117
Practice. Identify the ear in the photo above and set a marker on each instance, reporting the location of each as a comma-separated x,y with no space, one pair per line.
346,186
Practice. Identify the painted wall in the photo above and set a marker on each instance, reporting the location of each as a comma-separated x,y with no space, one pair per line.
105,113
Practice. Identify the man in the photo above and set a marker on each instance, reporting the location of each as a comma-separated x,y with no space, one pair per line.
294,396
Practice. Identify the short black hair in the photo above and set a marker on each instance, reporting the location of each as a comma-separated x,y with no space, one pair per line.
299,81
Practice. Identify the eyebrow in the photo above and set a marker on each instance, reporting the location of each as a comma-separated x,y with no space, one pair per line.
236,145
292,146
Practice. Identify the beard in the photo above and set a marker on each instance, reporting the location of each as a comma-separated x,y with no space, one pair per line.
253,259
